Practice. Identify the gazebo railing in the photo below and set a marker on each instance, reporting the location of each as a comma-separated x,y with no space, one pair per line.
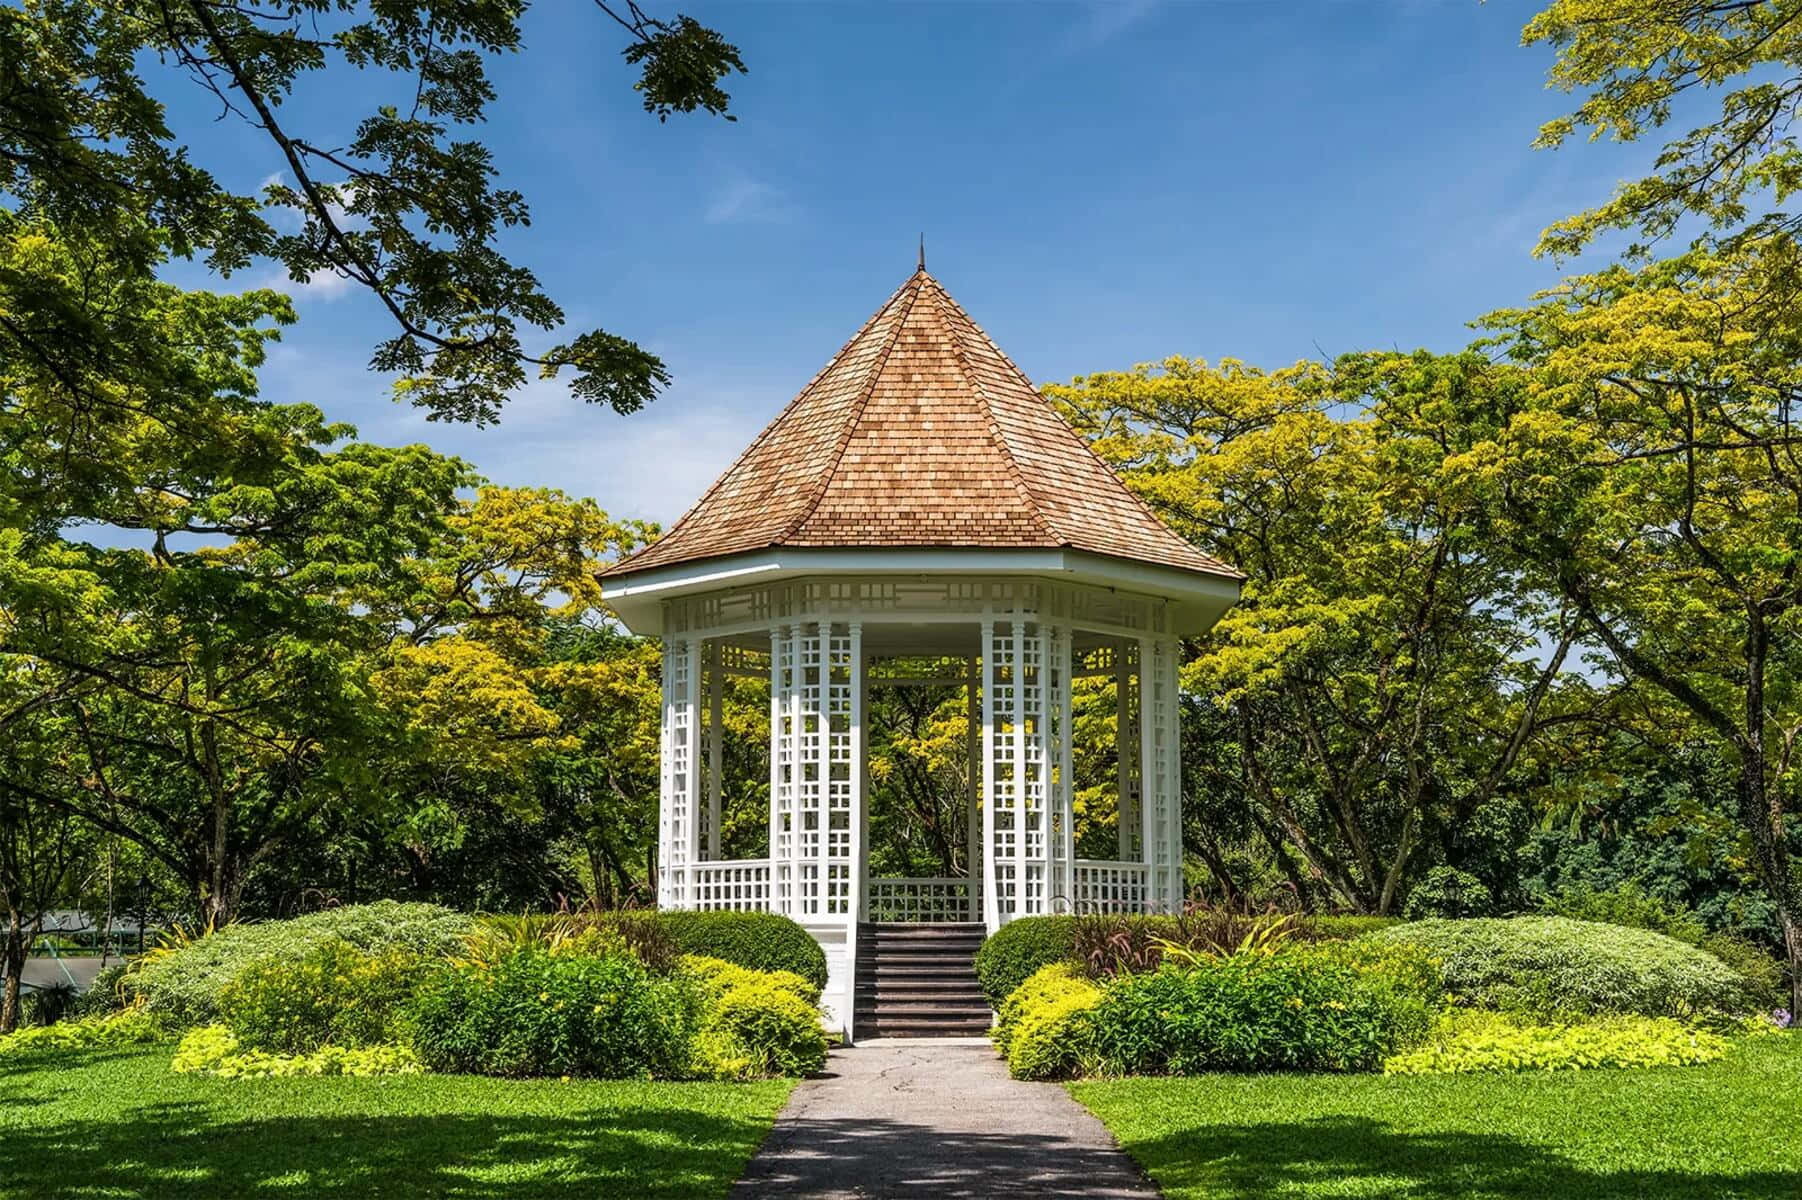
736,885
935,900
1103,886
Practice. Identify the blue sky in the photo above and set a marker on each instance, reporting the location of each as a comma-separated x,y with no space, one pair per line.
1099,184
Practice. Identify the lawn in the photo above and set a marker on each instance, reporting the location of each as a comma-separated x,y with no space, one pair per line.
1722,1132
120,1124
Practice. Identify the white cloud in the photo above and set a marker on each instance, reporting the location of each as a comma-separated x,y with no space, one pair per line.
742,200
323,284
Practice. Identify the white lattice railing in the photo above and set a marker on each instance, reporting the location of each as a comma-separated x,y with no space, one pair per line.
1099,886
741,885
936,900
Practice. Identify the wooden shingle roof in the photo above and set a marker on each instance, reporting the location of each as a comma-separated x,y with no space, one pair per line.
919,433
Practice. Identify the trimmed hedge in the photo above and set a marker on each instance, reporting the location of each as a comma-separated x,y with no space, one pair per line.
1012,954
1558,968
760,941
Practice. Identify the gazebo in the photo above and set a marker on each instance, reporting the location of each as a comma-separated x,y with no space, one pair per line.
919,503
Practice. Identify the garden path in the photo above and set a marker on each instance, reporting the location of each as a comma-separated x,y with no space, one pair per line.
935,1117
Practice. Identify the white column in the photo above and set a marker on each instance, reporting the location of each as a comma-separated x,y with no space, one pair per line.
1018,714
716,739
782,766
973,836
678,784
1127,728
991,908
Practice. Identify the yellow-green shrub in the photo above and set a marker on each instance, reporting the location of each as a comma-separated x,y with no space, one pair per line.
1034,989
1475,1040
1049,1038
213,1050
131,1027
717,974
755,1023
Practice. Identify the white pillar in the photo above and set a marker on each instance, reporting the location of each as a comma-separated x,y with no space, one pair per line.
973,836
991,906
716,739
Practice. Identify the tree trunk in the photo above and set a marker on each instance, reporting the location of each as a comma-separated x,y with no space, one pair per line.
13,954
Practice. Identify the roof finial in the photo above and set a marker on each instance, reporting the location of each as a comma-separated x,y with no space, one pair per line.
922,251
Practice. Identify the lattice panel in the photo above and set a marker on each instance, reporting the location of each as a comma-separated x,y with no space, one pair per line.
785,756
812,781
1107,887
1127,748
1163,770
739,886
677,793
1027,779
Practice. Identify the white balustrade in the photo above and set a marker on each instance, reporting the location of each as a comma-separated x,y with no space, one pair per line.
1100,886
738,885
936,900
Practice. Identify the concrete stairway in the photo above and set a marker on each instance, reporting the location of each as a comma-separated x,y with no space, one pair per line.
918,981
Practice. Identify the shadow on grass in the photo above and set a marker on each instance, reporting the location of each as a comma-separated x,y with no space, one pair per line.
1365,1157
181,1150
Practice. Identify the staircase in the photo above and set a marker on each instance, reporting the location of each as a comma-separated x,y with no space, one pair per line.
918,981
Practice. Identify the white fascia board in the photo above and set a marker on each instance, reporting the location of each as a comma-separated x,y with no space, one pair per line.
1199,599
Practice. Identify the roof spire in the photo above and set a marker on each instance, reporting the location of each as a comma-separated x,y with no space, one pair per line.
922,251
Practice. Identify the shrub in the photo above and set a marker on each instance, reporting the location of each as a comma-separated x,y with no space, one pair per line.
129,1028
1327,1007
1474,1040
1626,904
47,1005
760,941
1341,929
534,1013
1557,967
1449,892
105,994
1631,905
333,994
1763,975
755,1023
1043,1025
1010,955
184,983
1107,943
213,1050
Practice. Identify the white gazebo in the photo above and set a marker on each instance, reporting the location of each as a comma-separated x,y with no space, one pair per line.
919,502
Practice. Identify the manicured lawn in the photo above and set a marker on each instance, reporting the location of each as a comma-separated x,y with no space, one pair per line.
119,1124
1726,1131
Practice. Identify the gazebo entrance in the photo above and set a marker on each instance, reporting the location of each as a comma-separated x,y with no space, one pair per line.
920,517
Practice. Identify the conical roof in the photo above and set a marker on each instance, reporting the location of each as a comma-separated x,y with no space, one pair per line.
919,433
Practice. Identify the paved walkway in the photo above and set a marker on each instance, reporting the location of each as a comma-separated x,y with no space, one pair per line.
937,1118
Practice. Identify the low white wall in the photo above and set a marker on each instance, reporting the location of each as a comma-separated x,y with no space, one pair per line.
835,1001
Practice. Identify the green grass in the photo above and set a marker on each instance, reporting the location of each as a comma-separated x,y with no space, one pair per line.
1725,1131
120,1124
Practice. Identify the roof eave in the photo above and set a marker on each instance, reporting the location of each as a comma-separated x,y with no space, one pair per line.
1197,597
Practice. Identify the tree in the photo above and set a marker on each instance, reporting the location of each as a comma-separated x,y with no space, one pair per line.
399,205
1650,475
1378,674
1650,478
40,850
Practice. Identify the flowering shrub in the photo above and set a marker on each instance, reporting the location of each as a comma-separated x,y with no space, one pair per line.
1475,1040
333,994
213,1050
128,1028
1553,967
1321,1007
536,1013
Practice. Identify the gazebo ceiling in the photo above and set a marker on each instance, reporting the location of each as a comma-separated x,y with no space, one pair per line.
920,435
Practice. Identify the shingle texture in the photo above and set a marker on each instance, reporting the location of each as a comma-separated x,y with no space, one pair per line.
920,432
